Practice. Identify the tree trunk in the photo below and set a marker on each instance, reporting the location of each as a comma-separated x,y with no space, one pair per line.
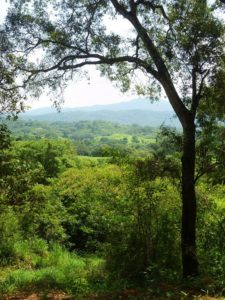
188,235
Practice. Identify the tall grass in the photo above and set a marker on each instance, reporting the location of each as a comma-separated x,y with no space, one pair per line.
50,269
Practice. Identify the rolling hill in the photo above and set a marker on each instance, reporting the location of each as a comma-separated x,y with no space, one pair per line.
138,111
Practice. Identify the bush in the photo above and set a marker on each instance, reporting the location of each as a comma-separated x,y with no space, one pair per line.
211,232
152,240
9,234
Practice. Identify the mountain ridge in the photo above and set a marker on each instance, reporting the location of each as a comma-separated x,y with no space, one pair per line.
134,104
137,111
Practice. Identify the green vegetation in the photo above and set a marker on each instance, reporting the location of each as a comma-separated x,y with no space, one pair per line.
87,225
148,207
42,269
174,46
96,138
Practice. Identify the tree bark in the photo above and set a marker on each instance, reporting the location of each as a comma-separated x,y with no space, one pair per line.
188,232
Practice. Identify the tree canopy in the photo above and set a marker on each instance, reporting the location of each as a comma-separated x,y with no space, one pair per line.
177,44
11,100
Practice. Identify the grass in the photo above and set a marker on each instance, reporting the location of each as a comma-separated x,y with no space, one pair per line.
41,269
142,139
52,270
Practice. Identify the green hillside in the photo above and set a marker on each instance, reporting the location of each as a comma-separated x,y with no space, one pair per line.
140,117
91,138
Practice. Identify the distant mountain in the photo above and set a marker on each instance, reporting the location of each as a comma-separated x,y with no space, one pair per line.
138,111
140,104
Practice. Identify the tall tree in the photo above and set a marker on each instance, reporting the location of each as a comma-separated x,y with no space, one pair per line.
176,45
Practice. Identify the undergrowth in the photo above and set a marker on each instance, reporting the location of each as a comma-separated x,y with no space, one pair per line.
51,268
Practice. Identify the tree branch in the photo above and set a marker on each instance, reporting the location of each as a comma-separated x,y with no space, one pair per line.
99,59
197,95
163,74
208,169
153,7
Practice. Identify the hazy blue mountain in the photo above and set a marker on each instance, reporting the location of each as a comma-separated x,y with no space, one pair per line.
138,111
140,117
136,104
140,104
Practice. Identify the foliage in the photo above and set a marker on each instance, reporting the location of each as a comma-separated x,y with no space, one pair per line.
154,225
92,198
125,210
10,233
211,228
177,38
51,269
4,137
178,45
128,213
12,99
95,138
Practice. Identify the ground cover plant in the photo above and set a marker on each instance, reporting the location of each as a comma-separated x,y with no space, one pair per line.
103,227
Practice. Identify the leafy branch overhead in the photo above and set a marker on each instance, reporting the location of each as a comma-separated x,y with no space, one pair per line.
55,39
11,100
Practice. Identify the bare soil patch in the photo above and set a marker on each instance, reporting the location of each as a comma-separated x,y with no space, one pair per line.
39,296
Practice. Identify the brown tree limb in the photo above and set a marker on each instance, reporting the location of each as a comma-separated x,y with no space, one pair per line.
164,77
